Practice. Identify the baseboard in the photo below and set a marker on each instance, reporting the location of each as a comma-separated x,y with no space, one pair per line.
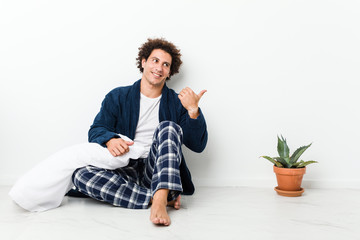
9,180
259,183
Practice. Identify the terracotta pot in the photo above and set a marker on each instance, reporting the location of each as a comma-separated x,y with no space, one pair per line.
289,179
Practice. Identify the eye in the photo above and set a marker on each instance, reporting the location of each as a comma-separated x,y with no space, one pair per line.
166,65
155,60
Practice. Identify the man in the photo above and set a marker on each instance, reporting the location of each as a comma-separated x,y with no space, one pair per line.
156,118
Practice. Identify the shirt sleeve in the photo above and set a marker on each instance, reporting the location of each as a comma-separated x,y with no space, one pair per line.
103,127
195,132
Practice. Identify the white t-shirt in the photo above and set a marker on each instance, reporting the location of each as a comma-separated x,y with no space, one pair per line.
148,121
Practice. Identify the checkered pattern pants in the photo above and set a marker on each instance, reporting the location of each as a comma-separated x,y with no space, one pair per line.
134,185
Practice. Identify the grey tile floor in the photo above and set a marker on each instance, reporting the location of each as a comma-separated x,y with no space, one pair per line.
212,213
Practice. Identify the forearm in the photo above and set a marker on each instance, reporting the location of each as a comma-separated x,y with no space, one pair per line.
104,126
101,135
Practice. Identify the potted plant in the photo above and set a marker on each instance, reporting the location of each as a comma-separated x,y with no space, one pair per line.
289,171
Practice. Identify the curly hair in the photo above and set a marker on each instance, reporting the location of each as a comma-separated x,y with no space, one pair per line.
160,43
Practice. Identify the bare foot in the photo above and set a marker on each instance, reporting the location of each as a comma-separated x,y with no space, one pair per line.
158,214
176,203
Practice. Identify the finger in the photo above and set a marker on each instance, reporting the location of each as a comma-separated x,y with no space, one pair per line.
112,153
202,93
183,91
179,97
129,143
188,90
124,147
116,151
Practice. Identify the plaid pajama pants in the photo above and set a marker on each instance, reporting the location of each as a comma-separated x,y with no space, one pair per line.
134,185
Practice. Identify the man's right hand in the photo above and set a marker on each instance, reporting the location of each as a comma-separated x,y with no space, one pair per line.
118,146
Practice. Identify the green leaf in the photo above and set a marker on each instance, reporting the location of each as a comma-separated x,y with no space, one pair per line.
281,160
296,155
273,161
297,163
283,148
303,164
287,160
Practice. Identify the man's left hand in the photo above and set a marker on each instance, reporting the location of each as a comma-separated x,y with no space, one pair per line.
190,100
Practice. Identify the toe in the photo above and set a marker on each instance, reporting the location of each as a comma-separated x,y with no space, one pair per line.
155,220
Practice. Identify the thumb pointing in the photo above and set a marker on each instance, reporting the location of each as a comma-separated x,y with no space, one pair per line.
202,93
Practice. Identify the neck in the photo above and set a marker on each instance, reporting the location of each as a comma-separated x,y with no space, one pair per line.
149,90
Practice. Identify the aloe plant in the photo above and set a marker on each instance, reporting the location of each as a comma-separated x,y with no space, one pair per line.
285,160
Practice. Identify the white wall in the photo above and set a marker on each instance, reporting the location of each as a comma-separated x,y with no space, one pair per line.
270,67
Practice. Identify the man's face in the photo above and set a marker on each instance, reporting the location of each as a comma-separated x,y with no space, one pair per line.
157,67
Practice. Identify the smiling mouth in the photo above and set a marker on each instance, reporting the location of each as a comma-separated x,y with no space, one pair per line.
157,75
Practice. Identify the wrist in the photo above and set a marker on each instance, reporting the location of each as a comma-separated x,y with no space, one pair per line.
109,141
193,112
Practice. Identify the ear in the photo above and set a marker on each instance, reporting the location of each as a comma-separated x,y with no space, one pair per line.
143,61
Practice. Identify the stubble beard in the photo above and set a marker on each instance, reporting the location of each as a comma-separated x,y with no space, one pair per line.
155,83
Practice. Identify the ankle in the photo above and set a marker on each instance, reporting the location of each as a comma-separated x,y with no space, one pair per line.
160,196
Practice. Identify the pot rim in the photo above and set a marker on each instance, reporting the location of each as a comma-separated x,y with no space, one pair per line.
289,171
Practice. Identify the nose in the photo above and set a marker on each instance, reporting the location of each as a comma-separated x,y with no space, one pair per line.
158,68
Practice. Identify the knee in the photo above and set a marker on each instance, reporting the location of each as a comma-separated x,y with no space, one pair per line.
169,125
80,174
169,128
